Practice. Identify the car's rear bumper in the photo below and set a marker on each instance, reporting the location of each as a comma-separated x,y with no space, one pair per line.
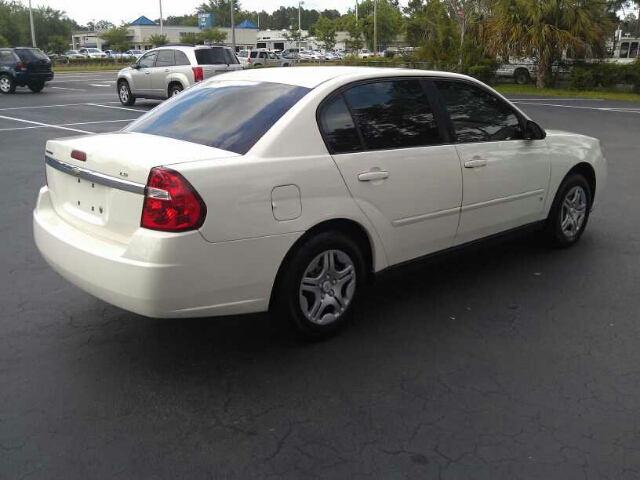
159,274
24,78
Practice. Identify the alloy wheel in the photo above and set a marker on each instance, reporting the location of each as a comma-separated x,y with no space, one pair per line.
574,209
5,84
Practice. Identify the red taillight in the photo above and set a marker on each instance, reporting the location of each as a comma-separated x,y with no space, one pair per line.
78,155
170,203
198,73
249,60
21,66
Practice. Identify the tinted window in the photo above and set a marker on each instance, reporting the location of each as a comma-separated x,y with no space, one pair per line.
254,54
147,60
223,114
210,56
337,125
181,58
30,54
624,49
633,52
477,115
165,58
393,114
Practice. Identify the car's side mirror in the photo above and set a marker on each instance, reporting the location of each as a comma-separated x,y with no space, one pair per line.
135,66
533,131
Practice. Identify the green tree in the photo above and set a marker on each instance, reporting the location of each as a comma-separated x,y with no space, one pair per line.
325,31
221,10
430,27
158,40
3,41
116,38
349,23
389,21
213,35
57,44
545,28
191,38
104,25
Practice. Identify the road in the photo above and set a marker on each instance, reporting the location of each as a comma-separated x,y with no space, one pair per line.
515,361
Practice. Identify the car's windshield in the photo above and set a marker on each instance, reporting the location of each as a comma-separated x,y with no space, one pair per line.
230,115
30,54
135,52
72,51
94,50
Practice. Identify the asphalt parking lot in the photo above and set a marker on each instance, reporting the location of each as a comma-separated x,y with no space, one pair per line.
514,362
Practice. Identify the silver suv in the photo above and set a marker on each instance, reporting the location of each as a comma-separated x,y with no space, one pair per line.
166,71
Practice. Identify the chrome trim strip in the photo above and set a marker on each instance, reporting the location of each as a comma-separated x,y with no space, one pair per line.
497,201
95,177
426,216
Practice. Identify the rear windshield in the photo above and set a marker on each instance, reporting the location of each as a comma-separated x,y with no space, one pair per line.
30,54
230,115
214,56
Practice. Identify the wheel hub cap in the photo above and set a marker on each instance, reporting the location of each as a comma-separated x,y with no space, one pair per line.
574,209
327,287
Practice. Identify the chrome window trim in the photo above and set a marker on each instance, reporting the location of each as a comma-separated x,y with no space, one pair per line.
95,177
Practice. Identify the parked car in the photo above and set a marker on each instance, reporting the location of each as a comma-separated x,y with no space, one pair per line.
72,54
116,54
524,70
243,58
261,189
134,53
23,67
262,57
92,53
166,71
364,53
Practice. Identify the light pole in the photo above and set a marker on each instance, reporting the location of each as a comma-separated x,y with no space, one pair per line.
33,31
356,11
375,28
233,28
161,24
299,25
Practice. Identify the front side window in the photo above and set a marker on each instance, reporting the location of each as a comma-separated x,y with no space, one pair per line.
165,58
393,114
624,49
478,116
230,115
337,125
148,60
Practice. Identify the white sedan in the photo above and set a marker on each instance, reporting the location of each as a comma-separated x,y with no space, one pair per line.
286,189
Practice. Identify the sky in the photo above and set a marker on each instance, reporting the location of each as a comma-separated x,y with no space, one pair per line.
118,11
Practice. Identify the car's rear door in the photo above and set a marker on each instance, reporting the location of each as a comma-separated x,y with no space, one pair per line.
161,73
393,155
505,177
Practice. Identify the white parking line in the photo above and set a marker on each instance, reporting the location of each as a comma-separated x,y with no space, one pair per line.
98,85
67,88
602,109
66,124
97,79
44,124
50,106
117,108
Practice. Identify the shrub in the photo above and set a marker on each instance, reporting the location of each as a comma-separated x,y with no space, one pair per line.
482,73
582,78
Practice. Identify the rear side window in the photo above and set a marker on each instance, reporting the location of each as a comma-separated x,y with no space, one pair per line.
7,57
210,56
181,58
393,114
478,116
231,58
337,125
230,115
165,58
254,54
30,54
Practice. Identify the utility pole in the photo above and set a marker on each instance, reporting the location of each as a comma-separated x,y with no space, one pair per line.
161,23
356,10
33,31
375,27
299,24
233,28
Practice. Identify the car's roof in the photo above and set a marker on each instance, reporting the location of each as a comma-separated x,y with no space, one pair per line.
311,77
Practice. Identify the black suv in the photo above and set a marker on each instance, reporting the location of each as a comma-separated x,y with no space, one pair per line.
25,67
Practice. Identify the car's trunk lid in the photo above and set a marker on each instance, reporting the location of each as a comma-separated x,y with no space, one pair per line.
104,194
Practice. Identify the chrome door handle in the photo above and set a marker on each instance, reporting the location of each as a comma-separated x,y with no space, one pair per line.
167,70
147,73
475,163
372,176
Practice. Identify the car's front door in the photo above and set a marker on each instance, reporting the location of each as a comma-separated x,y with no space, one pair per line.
505,177
391,152
142,75
161,73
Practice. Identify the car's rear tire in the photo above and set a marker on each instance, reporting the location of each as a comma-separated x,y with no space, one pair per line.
175,89
569,213
124,94
7,84
522,76
320,284
36,87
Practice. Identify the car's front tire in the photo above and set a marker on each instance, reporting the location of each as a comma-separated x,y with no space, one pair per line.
320,284
124,94
7,84
569,213
36,87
